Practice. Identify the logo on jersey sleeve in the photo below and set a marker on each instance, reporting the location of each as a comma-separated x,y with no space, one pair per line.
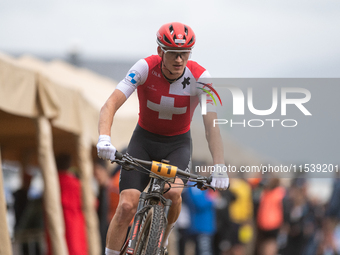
209,89
166,109
134,77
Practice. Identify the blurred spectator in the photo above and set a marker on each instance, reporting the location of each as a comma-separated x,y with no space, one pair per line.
257,188
21,196
241,215
183,225
28,215
202,215
102,176
300,219
329,243
71,200
223,232
333,208
269,216
313,241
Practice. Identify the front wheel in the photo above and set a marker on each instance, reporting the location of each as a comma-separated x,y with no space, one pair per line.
149,240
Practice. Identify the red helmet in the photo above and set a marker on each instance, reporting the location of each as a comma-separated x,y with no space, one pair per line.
176,35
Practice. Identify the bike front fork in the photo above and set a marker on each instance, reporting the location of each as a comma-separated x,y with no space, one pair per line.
137,221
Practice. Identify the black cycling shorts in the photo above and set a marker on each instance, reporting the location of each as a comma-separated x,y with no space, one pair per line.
149,146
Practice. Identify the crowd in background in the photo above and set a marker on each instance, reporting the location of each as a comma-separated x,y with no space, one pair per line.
257,216
260,217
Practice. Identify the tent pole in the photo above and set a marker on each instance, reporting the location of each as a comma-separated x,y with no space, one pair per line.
52,200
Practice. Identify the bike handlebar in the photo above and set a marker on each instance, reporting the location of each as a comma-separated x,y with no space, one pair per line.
197,178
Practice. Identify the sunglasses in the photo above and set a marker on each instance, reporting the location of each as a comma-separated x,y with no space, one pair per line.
173,54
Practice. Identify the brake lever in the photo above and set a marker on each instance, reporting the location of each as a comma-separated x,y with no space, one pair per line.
204,186
122,159
125,160
200,185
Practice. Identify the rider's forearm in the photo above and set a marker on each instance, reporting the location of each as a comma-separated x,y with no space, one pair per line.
108,112
215,146
214,139
105,120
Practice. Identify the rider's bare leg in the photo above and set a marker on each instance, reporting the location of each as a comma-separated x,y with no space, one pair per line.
127,207
175,194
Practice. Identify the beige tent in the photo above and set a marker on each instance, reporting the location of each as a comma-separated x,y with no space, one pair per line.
95,90
46,108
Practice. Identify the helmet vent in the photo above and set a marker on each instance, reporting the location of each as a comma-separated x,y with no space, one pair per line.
171,29
166,39
185,30
191,40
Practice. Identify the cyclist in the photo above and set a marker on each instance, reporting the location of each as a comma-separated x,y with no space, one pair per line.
167,91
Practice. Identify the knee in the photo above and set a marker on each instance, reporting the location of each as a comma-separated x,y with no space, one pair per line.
175,197
127,207
125,212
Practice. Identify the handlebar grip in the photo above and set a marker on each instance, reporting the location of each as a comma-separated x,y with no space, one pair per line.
209,179
119,155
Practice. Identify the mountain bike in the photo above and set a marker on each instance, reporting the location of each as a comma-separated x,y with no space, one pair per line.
150,221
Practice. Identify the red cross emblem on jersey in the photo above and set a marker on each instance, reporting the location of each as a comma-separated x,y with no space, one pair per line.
166,108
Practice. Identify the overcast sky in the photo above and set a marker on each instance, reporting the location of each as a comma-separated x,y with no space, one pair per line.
279,38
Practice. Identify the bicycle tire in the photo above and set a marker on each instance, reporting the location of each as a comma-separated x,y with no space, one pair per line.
148,242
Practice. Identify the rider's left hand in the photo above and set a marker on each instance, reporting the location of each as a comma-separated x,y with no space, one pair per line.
220,179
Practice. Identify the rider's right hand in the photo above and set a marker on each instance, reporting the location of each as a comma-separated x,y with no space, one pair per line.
105,149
